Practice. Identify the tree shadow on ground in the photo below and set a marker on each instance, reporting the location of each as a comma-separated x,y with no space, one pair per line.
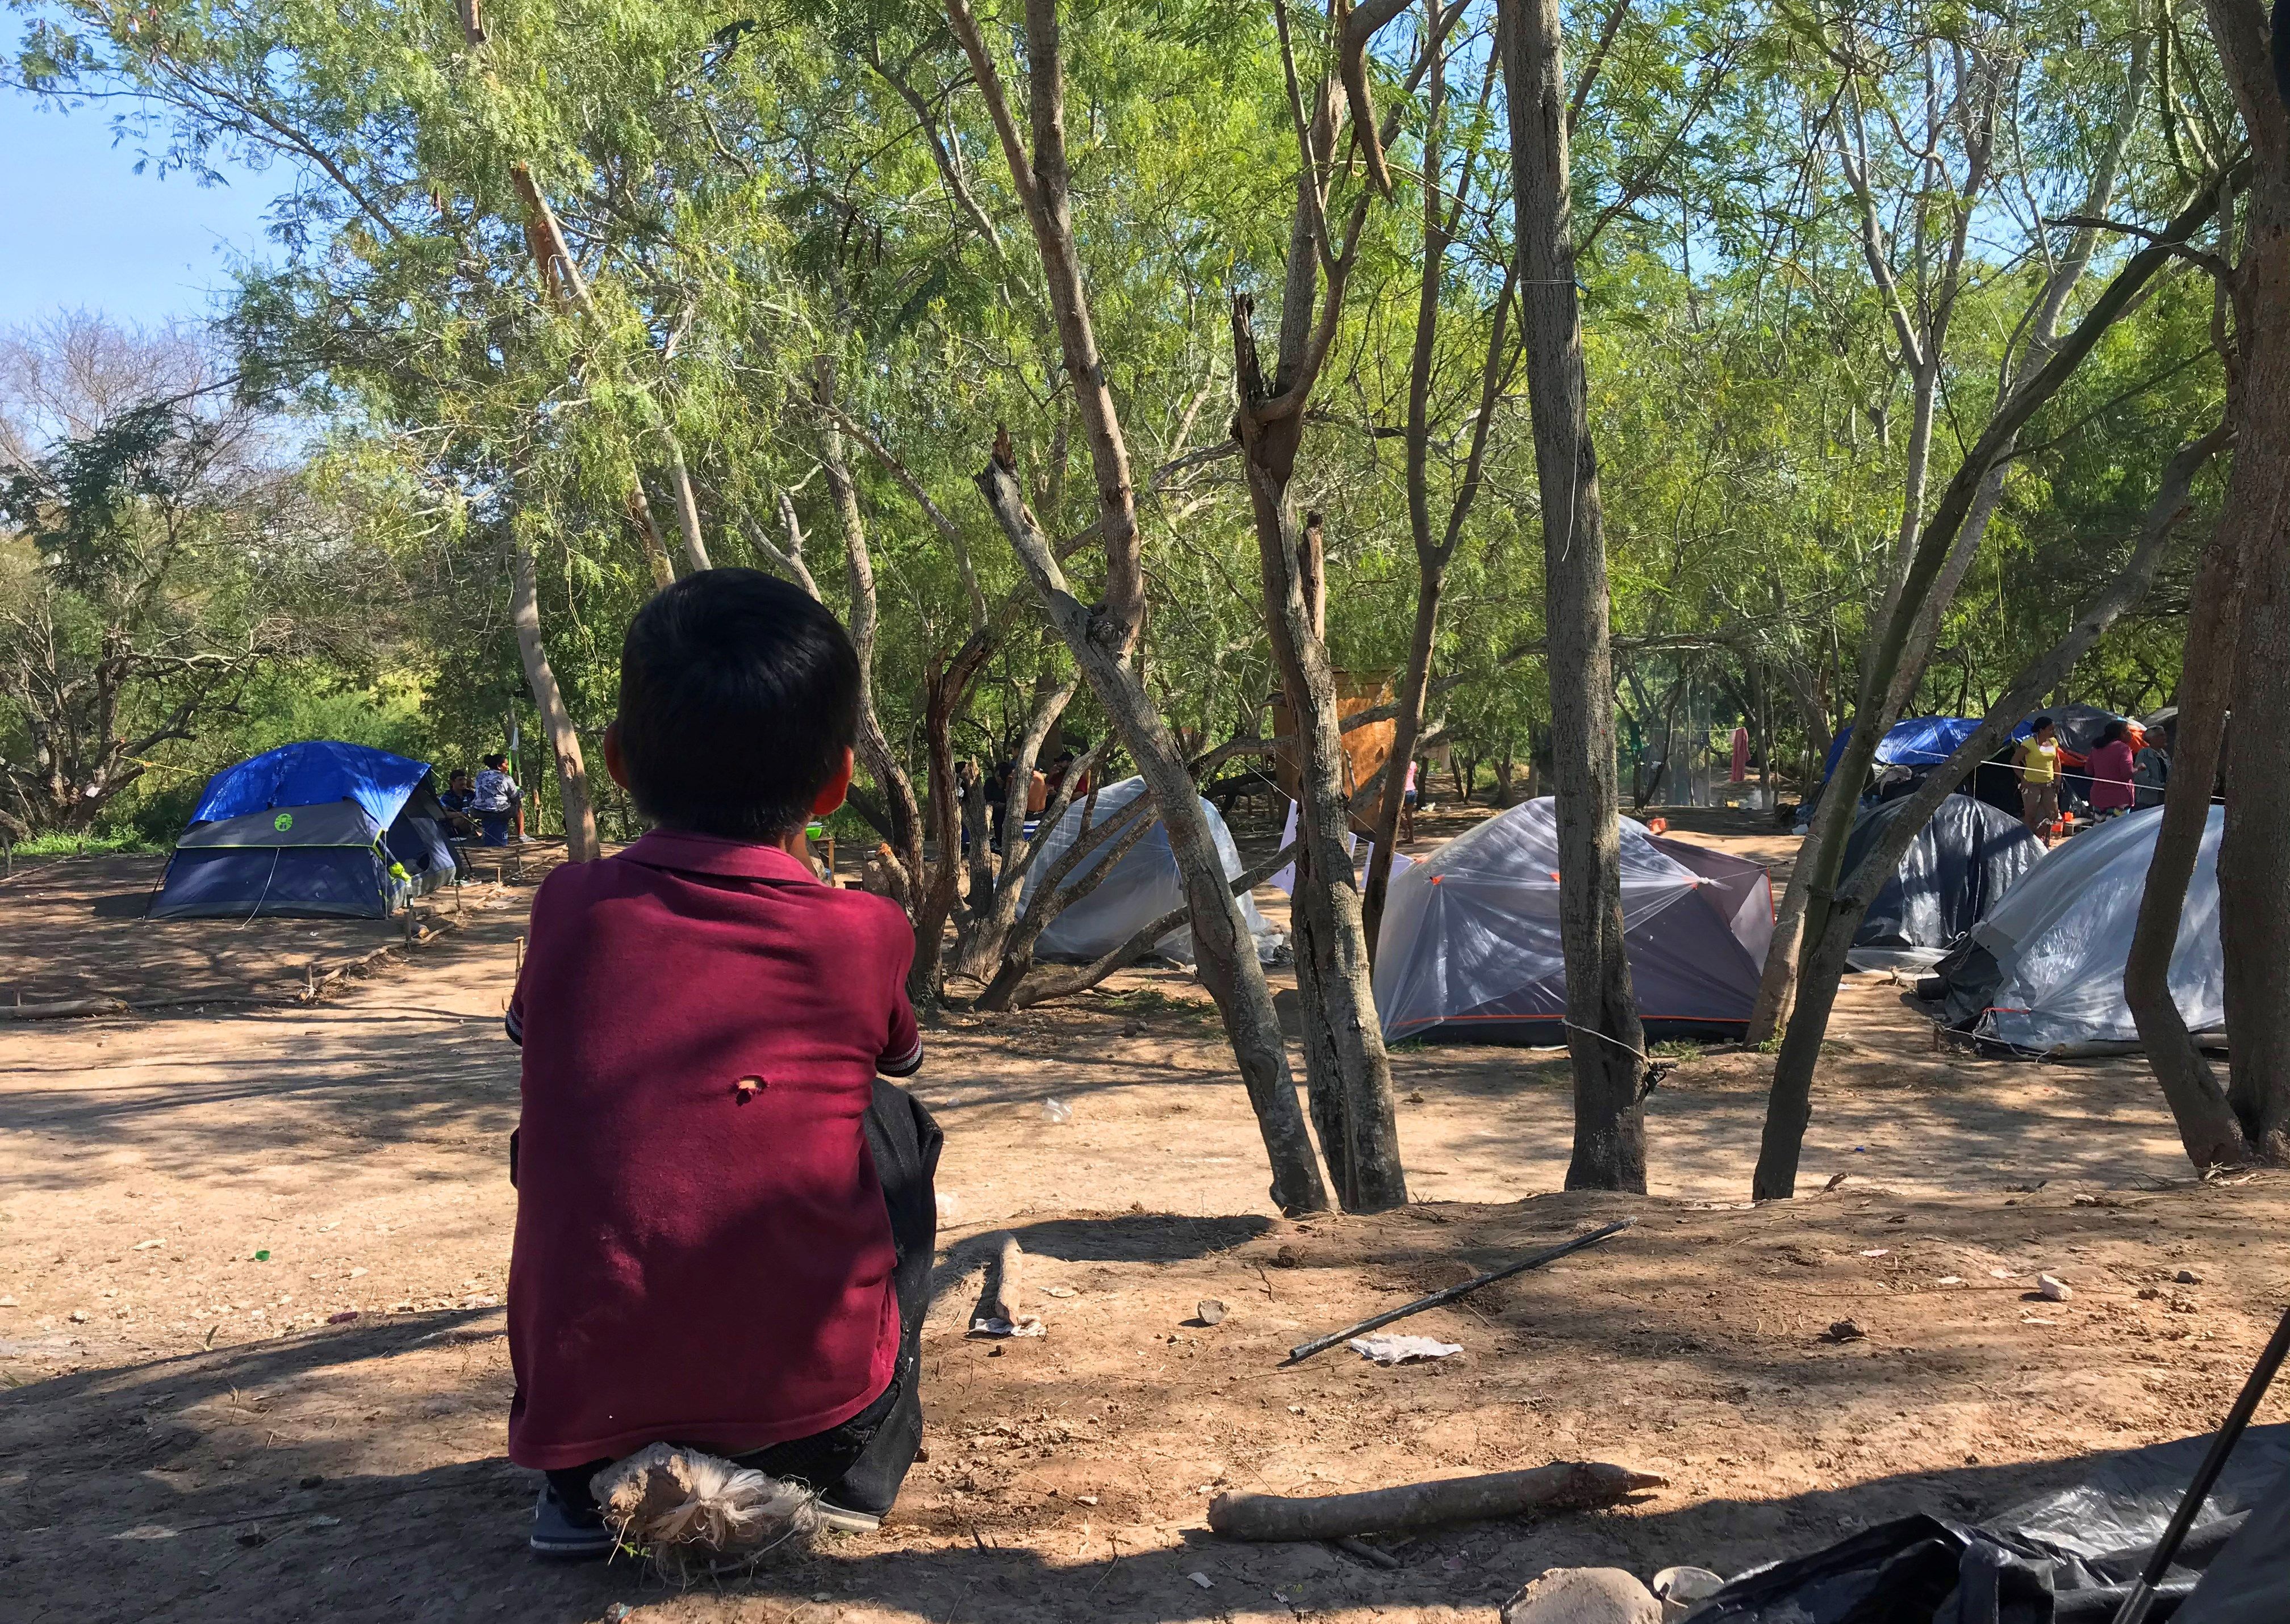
109,1526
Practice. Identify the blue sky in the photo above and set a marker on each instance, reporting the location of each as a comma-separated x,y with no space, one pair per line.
84,230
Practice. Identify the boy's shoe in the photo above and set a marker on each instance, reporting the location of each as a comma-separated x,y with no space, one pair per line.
560,1532
842,1519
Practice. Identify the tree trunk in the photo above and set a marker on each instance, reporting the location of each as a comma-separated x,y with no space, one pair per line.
2208,1127
979,954
874,752
1832,922
580,842
978,838
2254,862
1777,983
1888,646
1224,954
2043,330
687,505
656,559
1604,1037
1347,1075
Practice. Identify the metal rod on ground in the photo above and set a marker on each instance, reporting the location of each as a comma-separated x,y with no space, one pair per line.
1305,1350
2140,1602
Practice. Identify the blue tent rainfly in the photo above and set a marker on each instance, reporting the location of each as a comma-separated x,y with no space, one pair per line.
319,826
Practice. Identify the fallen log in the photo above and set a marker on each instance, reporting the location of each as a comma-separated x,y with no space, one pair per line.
68,1006
1563,1485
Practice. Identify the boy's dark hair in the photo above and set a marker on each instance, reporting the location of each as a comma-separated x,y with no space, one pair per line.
456,774
2039,724
497,761
738,694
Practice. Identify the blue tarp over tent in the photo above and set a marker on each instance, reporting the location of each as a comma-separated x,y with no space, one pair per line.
1920,741
309,774
315,827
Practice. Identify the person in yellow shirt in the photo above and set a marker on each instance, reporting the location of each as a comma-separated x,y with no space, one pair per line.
2039,779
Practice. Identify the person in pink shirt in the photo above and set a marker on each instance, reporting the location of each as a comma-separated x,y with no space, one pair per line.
2111,766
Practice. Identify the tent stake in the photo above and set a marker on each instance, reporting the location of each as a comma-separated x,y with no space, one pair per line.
1305,1350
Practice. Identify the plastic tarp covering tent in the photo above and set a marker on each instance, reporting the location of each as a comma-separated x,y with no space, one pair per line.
1470,950
2068,1558
1920,741
1143,885
1956,871
318,828
306,774
2044,971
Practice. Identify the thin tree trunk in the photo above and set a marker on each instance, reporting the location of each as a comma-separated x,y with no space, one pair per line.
1101,639
874,751
1225,955
1604,1036
1777,982
2253,861
1888,646
687,504
982,949
1347,1075
1102,844
2206,1124
656,559
580,842
2043,332
1066,981
1831,924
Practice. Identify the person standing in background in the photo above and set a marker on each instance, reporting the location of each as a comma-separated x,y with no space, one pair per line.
2039,780
2110,767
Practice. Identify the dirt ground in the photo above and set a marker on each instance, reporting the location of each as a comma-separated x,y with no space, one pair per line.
251,1259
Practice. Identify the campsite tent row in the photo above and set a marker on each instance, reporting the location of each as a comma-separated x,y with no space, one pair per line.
315,827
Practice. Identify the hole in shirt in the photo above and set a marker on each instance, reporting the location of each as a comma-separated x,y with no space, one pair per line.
746,1089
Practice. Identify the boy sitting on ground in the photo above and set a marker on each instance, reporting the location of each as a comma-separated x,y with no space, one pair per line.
724,1219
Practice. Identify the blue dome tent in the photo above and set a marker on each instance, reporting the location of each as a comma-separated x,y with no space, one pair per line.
315,827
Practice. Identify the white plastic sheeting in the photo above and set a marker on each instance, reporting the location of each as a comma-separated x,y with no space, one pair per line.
2061,933
1142,887
1471,934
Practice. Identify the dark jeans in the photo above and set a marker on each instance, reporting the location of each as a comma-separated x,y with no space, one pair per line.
860,1464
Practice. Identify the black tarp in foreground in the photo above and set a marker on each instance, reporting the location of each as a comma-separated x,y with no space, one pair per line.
2067,1558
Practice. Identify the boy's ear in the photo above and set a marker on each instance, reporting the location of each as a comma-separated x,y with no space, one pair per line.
830,793
614,764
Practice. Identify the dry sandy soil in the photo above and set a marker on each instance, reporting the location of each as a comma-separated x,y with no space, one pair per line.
197,1204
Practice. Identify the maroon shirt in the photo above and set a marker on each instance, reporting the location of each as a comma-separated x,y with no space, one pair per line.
2109,767
702,1253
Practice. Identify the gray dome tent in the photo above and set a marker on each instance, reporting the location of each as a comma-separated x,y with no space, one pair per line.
1143,886
1469,949
2044,971
1956,871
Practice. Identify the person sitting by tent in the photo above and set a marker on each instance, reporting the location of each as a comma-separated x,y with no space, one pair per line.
460,802
2039,779
496,799
2111,766
725,1220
